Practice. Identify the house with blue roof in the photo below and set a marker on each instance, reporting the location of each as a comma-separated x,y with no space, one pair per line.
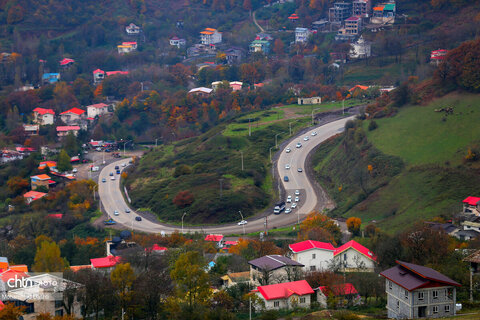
50,78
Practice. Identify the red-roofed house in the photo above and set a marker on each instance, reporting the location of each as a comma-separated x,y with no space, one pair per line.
315,255
114,73
105,263
217,238
52,165
55,215
65,62
353,257
359,87
437,56
98,76
41,180
415,291
73,116
63,131
178,42
33,195
345,290
97,109
471,205
285,295
156,249
43,116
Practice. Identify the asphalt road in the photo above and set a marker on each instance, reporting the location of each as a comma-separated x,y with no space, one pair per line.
112,198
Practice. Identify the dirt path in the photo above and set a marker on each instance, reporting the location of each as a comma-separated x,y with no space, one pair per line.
256,23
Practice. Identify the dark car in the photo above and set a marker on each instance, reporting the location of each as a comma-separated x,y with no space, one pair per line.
117,167
285,178
138,218
118,171
111,174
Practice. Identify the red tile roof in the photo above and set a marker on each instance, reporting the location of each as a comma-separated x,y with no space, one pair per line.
80,267
231,243
67,128
106,262
41,177
129,43
310,244
285,290
35,195
339,289
214,237
74,110
98,105
49,164
55,215
353,19
156,247
66,61
43,111
112,73
98,71
357,246
473,201
19,267
10,274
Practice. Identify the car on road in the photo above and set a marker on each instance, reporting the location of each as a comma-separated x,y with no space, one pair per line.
99,149
243,222
124,164
115,213
75,170
314,133
118,171
297,199
297,192
104,180
288,210
299,170
288,150
285,179
111,174
306,138
117,167
279,207
94,169
299,145
112,178
127,210
138,218
289,199
294,205
287,166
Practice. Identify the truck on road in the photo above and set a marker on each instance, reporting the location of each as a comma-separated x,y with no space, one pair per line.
279,207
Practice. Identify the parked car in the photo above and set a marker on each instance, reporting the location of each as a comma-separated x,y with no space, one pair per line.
138,218
297,192
299,145
289,199
285,178
294,205
297,199
75,170
118,171
299,170
243,222
117,167
111,174
288,210
124,164
95,169
104,180
288,150
279,207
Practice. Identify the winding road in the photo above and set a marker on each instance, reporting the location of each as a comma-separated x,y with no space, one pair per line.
113,200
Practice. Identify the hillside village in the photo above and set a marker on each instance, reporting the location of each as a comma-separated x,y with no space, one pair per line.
181,113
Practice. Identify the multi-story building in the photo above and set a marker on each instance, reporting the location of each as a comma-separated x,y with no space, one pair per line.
97,109
415,291
352,257
273,269
314,255
340,12
210,36
43,116
178,42
262,46
360,49
362,8
384,13
301,35
353,25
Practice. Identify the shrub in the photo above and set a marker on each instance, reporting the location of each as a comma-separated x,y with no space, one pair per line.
372,125
181,170
345,315
183,199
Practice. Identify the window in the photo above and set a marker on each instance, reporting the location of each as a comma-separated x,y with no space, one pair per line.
390,286
435,309
435,294
406,294
447,308
276,304
312,268
302,300
420,296
58,303
398,304
314,255
345,256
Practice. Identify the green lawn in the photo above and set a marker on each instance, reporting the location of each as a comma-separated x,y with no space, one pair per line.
328,106
239,127
419,135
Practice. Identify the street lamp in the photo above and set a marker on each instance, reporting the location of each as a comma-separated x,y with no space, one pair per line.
124,144
182,220
290,126
271,153
241,153
156,142
312,114
276,143
243,225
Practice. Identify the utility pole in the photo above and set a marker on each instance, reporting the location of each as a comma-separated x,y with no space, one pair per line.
343,106
156,142
249,128
221,181
182,220
241,152
271,153
243,225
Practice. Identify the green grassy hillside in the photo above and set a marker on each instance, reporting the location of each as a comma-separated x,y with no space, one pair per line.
418,164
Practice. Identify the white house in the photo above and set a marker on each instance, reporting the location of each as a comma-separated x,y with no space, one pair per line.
285,295
301,35
132,29
352,257
73,116
314,255
360,49
201,91
63,131
127,47
210,36
216,238
178,42
43,116
97,109
273,269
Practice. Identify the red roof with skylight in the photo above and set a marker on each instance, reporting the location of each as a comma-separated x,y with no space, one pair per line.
285,290
356,246
311,244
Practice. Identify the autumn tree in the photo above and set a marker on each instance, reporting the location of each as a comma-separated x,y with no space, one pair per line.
63,163
353,225
183,199
122,278
48,259
11,312
316,221
17,185
278,47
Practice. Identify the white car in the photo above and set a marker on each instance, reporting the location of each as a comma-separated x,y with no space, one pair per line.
297,199
288,150
115,213
112,178
299,145
288,210
287,166
243,222
314,133
289,199
75,170
297,192
124,164
306,138
299,170
294,205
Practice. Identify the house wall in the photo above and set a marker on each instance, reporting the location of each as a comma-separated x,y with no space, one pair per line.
321,261
92,112
351,260
39,183
70,118
290,302
43,119
404,304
